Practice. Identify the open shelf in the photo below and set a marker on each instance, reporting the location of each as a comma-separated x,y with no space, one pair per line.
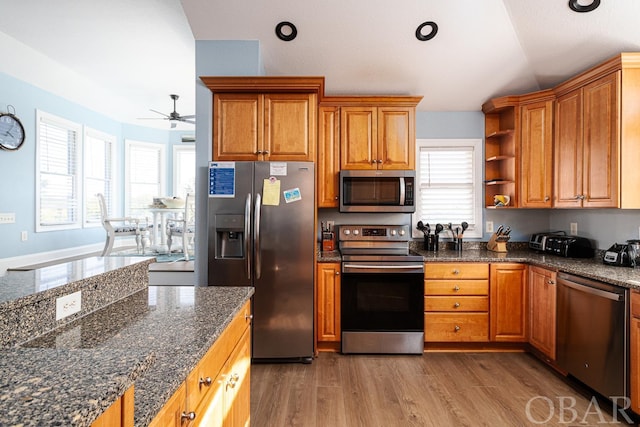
500,133
497,158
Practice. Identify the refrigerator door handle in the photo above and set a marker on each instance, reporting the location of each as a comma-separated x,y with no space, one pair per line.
256,236
247,230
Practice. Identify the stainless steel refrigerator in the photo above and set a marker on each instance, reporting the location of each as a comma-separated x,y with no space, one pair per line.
261,234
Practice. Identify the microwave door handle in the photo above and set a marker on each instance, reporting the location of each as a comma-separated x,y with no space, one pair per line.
402,191
247,230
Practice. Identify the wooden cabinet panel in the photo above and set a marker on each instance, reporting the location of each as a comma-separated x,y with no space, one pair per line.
328,168
587,143
290,127
456,270
508,286
634,364
542,310
358,144
171,413
396,138
119,414
459,303
456,287
238,124
456,327
601,142
536,138
328,302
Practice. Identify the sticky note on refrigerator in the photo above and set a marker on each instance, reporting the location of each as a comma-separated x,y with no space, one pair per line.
271,192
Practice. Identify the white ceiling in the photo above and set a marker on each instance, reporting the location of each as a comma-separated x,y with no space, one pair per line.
135,53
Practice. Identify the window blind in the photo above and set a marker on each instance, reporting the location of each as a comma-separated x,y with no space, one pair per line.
145,175
58,176
447,181
98,175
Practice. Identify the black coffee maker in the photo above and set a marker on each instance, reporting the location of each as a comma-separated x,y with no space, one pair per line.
623,255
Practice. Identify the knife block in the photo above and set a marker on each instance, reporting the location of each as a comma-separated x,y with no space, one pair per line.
497,243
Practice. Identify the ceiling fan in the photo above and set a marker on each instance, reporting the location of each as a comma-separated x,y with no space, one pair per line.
174,116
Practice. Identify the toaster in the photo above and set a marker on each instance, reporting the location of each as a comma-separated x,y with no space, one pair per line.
617,255
558,243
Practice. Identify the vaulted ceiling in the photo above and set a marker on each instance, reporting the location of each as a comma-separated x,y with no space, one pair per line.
138,52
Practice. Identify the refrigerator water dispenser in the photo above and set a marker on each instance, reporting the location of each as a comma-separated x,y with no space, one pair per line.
229,236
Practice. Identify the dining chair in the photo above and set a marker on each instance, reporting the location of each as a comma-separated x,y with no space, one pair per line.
117,227
183,227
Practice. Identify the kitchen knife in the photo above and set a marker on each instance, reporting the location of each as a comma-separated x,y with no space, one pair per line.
499,230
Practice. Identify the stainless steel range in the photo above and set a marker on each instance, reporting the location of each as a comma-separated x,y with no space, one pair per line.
382,290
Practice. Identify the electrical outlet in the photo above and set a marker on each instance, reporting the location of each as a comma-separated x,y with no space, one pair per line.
7,218
330,225
68,305
574,229
488,227
24,236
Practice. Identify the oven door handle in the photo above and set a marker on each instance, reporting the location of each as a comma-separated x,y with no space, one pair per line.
415,268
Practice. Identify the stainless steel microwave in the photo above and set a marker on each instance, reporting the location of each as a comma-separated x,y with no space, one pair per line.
377,191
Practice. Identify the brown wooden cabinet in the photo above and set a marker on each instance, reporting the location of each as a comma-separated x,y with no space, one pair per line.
119,414
216,392
375,137
274,127
634,353
536,142
456,302
508,308
328,166
587,145
542,310
328,303
265,118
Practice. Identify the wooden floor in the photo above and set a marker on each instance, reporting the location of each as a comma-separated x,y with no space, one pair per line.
436,389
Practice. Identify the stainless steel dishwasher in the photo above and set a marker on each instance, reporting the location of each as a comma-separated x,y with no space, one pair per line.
592,336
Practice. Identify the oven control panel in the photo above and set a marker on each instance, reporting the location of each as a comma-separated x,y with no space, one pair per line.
390,233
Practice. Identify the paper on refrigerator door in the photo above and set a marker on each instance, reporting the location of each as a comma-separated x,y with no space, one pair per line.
271,192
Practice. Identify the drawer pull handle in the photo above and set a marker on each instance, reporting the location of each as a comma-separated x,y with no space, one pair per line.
456,271
456,328
550,282
456,288
205,381
248,317
456,305
233,380
188,416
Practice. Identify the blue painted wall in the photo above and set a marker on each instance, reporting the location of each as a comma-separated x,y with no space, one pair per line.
17,168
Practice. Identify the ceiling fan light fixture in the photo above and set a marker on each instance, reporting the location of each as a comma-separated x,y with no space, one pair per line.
431,34
577,7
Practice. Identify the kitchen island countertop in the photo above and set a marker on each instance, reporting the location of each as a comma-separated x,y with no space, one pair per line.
153,339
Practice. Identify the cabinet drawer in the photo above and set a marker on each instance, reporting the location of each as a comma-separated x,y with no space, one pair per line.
635,303
440,303
456,327
456,287
201,380
456,271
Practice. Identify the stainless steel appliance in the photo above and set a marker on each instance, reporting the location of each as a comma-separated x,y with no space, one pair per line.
382,290
558,243
377,191
261,234
592,334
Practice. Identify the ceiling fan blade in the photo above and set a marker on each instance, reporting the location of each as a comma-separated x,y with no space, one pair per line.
191,116
158,112
150,118
193,122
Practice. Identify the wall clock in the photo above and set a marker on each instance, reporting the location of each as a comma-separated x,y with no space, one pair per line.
11,132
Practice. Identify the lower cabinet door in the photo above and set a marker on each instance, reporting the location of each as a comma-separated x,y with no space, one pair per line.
171,413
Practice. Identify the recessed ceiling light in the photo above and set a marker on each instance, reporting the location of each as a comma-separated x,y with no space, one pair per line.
431,34
286,31
577,7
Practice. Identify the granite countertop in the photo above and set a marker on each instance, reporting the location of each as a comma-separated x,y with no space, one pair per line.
48,387
175,325
19,287
587,267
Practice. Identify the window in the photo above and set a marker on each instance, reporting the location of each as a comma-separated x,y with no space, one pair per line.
98,168
58,183
184,170
145,176
449,181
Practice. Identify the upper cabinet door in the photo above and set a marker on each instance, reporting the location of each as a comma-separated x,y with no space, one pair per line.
601,142
358,130
328,168
537,158
396,138
238,123
568,151
290,127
